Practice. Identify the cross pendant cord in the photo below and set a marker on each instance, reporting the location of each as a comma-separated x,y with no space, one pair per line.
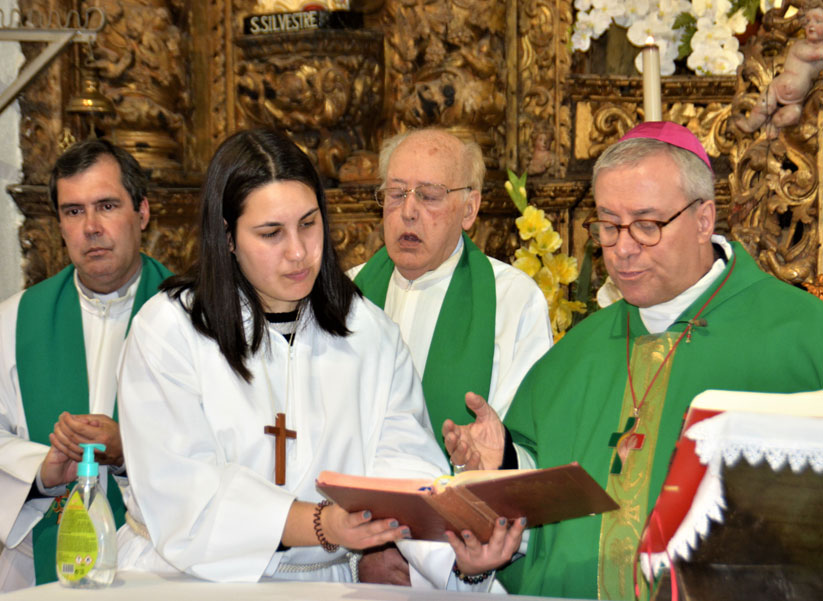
637,407
279,429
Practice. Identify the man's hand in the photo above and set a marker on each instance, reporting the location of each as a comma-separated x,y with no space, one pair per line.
57,469
384,565
70,430
474,558
478,445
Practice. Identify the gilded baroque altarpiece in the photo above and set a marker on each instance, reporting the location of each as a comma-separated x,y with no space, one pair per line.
182,75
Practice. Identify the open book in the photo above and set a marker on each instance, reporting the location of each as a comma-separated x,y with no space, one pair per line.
472,500
686,472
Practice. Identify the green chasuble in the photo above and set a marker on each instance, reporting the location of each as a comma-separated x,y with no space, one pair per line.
51,366
758,336
461,354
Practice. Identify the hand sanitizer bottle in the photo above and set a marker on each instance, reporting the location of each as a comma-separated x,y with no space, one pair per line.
86,538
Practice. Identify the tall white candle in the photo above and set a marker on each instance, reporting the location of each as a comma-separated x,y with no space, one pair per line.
651,81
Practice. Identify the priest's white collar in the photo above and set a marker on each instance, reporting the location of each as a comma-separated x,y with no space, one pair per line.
124,294
430,278
658,318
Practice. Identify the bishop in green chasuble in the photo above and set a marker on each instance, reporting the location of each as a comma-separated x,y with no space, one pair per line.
757,336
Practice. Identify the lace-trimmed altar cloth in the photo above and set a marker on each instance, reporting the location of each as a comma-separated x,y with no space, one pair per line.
721,441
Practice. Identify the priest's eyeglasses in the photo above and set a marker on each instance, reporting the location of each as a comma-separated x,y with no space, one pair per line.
644,231
430,195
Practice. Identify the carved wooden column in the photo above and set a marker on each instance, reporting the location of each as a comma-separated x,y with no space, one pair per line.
42,102
140,58
538,62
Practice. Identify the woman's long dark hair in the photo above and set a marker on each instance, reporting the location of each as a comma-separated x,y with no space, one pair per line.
244,162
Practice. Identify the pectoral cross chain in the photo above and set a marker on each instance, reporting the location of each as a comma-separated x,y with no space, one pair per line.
625,441
280,433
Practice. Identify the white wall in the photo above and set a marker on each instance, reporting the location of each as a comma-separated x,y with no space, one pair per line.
11,272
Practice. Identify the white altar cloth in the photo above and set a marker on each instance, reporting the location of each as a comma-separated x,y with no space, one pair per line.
140,586
783,441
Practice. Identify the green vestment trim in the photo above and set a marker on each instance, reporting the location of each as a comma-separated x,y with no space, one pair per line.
620,530
461,354
756,338
51,366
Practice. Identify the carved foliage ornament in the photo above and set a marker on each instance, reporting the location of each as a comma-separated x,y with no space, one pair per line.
446,65
775,179
324,87
608,107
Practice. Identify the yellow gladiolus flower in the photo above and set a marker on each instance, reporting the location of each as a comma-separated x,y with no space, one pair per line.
563,267
547,283
562,318
577,306
546,242
537,258
526,262
532,222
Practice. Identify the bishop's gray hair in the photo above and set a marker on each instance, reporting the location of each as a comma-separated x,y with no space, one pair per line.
696,179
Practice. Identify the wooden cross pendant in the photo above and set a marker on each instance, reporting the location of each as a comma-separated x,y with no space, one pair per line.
280,433
625,441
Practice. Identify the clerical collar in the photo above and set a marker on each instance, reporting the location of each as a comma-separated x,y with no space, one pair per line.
105,297
444,270
659,318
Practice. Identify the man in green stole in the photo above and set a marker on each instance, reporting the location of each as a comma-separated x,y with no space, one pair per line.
59,345
697,313
472,323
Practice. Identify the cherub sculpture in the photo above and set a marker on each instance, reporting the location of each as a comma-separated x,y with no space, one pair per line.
782,100
542,157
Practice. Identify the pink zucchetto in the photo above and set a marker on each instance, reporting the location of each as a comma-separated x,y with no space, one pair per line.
671,133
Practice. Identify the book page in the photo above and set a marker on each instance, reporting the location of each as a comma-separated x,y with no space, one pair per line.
404,485
472,476
809,404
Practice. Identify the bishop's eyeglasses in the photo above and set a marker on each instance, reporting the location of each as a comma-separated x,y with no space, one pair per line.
430,195
644,231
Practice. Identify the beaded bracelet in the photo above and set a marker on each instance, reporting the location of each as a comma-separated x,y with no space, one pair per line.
477,579
318,529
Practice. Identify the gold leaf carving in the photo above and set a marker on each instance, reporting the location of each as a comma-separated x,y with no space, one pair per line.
445,65
323,87
775,207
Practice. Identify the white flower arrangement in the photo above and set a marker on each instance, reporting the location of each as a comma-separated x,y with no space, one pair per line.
702,30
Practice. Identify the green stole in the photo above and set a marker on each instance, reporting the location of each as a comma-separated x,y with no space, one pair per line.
461,354
620,530
51,367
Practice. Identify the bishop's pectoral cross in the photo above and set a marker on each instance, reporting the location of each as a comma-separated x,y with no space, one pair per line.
625,441
280,433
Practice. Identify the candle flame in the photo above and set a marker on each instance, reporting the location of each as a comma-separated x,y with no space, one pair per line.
650,41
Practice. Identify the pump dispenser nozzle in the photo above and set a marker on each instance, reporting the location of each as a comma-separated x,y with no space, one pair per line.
87,536
88,467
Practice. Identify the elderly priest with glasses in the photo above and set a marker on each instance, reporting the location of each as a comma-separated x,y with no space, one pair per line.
473,324
697,313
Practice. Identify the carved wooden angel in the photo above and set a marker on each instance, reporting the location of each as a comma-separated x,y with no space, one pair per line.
783,98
